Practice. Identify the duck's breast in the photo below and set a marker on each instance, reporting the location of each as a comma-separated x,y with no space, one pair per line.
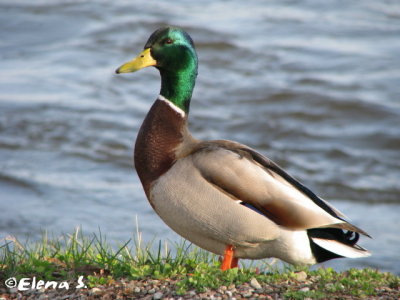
205,215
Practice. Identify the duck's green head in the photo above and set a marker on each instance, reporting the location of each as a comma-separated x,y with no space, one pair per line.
172,52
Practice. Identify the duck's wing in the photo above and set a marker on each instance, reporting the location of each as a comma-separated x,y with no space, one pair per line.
245,175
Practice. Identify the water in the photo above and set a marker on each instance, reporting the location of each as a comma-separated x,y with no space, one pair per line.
314,85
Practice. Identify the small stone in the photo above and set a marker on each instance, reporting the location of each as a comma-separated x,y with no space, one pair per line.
95,290
203,295
222,289
158,296
329,285
229,294
255,284
107,296
137,290
151,291
300,276
43,297
304,289
247,294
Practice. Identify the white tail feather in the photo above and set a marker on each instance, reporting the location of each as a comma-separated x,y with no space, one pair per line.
340,248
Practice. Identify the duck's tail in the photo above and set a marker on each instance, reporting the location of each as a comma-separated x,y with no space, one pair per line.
329,243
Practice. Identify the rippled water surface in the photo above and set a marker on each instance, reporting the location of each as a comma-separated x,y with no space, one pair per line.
312,84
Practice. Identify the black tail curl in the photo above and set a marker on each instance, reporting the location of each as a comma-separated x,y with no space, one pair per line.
349,238
346,237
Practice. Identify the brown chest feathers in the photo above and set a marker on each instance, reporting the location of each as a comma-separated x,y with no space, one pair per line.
161,133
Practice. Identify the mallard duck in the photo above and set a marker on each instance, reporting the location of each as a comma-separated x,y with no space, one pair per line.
221,195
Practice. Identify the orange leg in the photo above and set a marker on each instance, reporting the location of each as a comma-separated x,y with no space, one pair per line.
229,261
235,262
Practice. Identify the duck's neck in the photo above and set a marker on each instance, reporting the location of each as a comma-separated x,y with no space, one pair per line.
161,133
178,87
165,126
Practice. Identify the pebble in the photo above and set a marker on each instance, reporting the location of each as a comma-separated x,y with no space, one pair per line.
131,285
255,284
329,285
304,289
95,290
247,294
43,297
300,276
151,291
222,289
158,296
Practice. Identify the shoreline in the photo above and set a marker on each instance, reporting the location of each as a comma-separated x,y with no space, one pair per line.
300,286
75,266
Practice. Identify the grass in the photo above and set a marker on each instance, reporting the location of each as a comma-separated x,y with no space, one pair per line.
72,255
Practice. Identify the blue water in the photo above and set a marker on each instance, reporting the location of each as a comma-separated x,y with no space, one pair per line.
313,85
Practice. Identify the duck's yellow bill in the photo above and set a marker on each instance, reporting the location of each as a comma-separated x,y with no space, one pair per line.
143,60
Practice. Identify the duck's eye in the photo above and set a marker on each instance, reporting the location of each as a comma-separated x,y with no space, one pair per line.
168,41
